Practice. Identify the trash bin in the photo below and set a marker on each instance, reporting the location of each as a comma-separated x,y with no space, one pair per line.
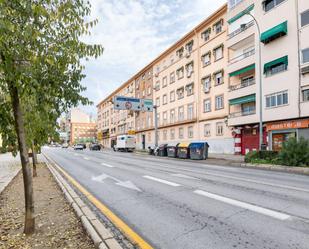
163,150
199,150
183,150
151,151
172,149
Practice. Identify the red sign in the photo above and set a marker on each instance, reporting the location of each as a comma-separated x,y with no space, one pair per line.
294,124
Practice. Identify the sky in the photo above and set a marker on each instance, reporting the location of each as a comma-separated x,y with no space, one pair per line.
133,33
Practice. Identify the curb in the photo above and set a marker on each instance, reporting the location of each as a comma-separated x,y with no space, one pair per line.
280,168
100,235
9,182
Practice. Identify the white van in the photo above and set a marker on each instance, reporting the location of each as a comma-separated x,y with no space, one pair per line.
125,143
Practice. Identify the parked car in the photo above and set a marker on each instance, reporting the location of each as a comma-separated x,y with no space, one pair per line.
95,147
65,145
78,147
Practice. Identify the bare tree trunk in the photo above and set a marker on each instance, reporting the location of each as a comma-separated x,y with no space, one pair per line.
34,160
26,169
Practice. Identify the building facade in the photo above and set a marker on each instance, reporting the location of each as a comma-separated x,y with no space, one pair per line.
207,85
83,133
281,42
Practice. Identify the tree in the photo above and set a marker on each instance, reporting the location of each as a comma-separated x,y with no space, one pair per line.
41,53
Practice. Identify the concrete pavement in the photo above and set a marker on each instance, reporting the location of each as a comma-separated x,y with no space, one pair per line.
182,204
9,167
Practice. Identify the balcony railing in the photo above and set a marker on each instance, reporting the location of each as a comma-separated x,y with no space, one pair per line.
243,84
243,56
242,113
241,29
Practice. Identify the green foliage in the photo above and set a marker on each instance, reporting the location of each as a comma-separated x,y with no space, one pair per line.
295,153
264,156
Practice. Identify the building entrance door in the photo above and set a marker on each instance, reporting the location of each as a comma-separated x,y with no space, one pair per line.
144,141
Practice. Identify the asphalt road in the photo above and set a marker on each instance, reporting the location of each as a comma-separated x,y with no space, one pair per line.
178,204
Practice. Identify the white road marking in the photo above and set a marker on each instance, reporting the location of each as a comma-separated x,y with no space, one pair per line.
107,165
260,182
185,176
162,181
75,154
86,158
254,208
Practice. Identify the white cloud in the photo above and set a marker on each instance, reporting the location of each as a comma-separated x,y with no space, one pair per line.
134,32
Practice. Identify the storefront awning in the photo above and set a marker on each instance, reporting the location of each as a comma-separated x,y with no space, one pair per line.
283,60
243,70
274,32
242,13
243,100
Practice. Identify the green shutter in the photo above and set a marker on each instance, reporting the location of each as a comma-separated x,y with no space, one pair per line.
239,15
275,32
243,100
243,70
270,64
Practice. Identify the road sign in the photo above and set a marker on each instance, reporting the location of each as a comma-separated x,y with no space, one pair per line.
133,104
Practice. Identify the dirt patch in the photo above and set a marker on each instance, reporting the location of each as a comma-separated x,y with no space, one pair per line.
56,224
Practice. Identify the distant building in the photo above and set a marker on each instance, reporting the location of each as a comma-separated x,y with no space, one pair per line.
83,133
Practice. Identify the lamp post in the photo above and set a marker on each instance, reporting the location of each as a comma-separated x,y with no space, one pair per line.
260,85
156,124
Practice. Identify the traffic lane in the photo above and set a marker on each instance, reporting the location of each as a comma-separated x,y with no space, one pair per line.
180,219
289,201
294,180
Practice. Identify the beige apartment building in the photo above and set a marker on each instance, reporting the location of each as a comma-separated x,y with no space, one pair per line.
283,39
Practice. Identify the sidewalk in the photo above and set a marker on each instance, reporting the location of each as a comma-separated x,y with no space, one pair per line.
9,167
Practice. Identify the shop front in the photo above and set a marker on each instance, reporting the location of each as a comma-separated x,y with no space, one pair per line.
280,132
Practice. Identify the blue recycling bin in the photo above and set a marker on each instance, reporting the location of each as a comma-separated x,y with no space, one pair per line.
198,150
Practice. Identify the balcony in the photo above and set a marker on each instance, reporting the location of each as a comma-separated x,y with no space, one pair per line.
242,56
241,29
243,84
248,112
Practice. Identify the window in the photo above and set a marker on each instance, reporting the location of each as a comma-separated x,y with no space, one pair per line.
190,132
304,18
189,46
218,26
207,105
190,111
157,85
143,93
164,118
206,59
149,75
305,94
164,99
149,137
206,34
219,102
172,96
180,92
305,55
172,134
207,131
143,76
206,81
218,52
180,73
179,52
219,129
189,69
277,66
149,90
181,114
270,4
158,101
190,89
164,134
180,134
172,116
233,3
164,81
218,77
172,77
277,99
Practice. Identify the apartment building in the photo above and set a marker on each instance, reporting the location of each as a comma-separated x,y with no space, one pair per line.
115,122
190,86
283,40
83,133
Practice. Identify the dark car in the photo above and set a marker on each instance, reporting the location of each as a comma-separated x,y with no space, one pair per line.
95,147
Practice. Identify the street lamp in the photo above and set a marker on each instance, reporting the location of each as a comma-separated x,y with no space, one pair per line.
156,124
260,85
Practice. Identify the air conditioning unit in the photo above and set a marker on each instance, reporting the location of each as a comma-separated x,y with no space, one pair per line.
305,70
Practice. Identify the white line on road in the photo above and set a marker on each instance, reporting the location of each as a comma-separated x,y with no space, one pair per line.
162,181
257,209
75,154
107,165
86,158
260,182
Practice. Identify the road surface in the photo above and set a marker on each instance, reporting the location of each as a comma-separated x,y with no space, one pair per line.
179,204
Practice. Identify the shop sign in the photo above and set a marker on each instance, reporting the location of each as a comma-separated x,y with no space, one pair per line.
131,132
294,124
